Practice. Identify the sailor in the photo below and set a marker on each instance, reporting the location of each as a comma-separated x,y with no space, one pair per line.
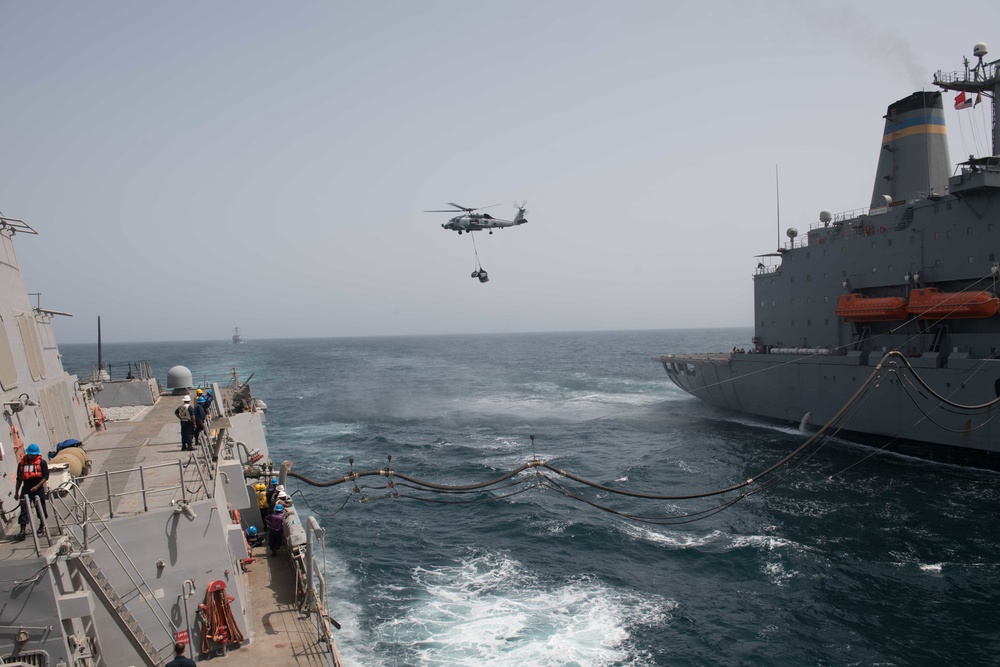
253,537
278,496
183,413
32,473
274,525
209,397
262,504
272,489
180,660
198,411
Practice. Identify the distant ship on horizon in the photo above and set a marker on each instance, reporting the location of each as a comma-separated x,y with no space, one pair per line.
237,336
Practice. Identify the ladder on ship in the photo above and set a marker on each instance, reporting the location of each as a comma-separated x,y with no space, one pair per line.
120,614
114,601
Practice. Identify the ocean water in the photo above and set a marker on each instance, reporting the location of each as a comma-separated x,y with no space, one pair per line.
854,559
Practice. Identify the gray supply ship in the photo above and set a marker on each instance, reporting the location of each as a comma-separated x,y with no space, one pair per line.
883,322
144,544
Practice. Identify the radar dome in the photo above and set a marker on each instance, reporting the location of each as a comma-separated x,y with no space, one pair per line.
980,50
179,377
792,233
825,216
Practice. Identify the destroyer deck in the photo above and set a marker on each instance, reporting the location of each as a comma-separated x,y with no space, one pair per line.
136,466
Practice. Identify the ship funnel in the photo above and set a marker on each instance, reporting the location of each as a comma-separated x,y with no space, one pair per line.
914,159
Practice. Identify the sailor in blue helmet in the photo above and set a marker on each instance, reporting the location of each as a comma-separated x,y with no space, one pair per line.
209,397
32,473
199,418
253,537
274,524
272,491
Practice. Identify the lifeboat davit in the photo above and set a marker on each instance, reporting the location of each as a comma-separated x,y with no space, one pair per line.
930,303
861,308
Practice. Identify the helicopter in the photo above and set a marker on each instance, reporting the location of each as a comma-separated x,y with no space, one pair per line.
470,221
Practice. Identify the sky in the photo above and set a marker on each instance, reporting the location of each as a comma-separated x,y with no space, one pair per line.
194,167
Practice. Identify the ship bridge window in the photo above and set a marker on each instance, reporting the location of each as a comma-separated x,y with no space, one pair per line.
890,268
8,373
874,269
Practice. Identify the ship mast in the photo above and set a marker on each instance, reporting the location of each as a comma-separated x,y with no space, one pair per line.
981,80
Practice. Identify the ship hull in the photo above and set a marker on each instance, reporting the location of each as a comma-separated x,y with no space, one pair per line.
894,415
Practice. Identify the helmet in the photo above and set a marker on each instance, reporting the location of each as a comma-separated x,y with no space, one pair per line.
279,508
274,480
281,488
198,392
251,531
259,487
201,399
33,450
208,393
187,399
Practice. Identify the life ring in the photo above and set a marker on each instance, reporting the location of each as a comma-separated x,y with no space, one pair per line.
882,229
868,230
822,241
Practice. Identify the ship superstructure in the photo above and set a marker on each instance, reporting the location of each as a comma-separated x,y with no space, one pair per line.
908,284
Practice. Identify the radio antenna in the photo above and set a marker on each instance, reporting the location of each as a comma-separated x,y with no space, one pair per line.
777,204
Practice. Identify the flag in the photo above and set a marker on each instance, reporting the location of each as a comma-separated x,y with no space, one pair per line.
961,102
979,98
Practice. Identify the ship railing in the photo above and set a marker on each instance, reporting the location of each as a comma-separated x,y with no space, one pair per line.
91,525
138,370
311,577
989,72
310,586
155,482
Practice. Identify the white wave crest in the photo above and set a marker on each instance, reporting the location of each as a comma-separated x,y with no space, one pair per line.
488,610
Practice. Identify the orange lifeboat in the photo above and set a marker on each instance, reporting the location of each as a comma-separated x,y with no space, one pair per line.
930,303
861,308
